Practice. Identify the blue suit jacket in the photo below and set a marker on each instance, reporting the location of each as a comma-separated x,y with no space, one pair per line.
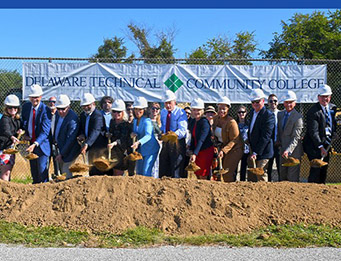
260,138
67,137
145,134
42,125
202,134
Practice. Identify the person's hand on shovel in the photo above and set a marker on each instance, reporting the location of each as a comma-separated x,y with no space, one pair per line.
221,154
14,140
135,145
111,145
285,154
253,157
193,158
31,148
324,153
84,148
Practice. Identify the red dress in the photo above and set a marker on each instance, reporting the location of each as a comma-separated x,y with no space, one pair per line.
204,157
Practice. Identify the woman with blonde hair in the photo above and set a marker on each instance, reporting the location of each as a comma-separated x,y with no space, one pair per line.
9,130
227,137
154,115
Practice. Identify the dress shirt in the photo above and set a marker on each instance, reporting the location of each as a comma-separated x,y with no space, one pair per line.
107,117
178,121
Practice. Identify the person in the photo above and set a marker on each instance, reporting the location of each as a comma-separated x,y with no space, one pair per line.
130,111
210,113
52,105
36,118
66,132
228,140
146,143
154,115
243,126
91,131
273,104
201,143
9,131
120,131
321,128
261,129
172,155
188,112
290,127
106,104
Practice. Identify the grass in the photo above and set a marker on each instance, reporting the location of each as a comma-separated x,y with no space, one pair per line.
273,236
26,180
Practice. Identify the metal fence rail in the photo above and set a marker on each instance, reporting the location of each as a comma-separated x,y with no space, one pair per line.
11,82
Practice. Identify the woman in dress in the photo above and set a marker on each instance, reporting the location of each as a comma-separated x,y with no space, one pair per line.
243,126
154,115
229,142
9,130
146,144
201,143
120,132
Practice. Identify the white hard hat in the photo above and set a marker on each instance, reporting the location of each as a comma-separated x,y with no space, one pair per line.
87,99
289,96
225,100
256,95
35,91
12,100
169,96
118,105
198,103
62,101
140,103
325,90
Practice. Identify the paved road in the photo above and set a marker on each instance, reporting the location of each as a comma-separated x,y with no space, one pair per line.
178,253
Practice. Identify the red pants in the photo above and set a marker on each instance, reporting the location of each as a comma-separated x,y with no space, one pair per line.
204,161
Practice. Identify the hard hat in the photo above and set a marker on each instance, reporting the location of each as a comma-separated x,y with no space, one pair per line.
198,103
256,95
325,90
62,101
140,103
12,100
290,96
35,91
87,99
118,105
169,96
225,100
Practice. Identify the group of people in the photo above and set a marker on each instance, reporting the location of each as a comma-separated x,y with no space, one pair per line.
204,136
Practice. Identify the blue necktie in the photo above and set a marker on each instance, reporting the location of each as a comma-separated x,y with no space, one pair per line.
286,116
328,126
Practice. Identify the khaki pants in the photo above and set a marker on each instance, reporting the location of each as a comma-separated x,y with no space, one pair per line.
259,164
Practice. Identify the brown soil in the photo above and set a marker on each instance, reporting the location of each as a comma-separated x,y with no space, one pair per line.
175,206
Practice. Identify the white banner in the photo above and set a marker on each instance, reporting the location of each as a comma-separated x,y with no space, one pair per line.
209,82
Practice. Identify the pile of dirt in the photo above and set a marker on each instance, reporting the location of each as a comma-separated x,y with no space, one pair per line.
176,206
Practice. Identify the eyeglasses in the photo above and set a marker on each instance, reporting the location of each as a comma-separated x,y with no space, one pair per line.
273,101
155,108
61,109
242,112
12,107
257,102
116,111
52,101
129,109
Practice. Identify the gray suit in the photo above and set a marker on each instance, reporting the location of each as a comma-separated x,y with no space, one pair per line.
290,140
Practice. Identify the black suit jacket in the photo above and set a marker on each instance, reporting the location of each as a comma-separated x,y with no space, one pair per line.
8,128
260,138
316,129
202,134
96,130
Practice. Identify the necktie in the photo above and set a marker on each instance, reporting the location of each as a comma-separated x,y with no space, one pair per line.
33,125
286,116
168,121
328,126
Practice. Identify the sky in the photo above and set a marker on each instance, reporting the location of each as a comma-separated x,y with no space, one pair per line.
79,32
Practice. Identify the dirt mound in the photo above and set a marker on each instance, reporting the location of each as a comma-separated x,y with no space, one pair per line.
176,206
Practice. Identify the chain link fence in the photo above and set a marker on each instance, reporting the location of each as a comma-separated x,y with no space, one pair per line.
11,83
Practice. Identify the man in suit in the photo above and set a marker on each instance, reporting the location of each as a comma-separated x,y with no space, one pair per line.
106,103
91,131
172,155
289,130
321,127
261,129
54,115
36,117
66,132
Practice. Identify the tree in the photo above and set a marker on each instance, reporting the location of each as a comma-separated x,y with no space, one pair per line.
113,49
163,50
308,36
216,49
10,83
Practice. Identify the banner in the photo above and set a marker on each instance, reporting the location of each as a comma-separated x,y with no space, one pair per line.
208,82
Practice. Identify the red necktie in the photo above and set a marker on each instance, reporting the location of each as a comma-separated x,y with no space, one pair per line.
33,126
168,121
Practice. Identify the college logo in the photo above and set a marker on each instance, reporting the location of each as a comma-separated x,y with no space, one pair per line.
173,83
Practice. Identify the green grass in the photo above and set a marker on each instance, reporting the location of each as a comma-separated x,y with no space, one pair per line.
272,236
26,180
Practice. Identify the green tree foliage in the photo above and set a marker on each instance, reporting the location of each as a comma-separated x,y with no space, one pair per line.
163,50
217,49
113,49
308,36
9,80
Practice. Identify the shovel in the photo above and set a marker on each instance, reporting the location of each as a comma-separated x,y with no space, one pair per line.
14,149
134,156
80,167
104,164
291,162
191,169
255,170
319,163
220,173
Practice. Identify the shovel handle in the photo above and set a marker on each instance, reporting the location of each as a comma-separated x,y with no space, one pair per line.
83,155
109,151
19,136
220,163
134,140
254,163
